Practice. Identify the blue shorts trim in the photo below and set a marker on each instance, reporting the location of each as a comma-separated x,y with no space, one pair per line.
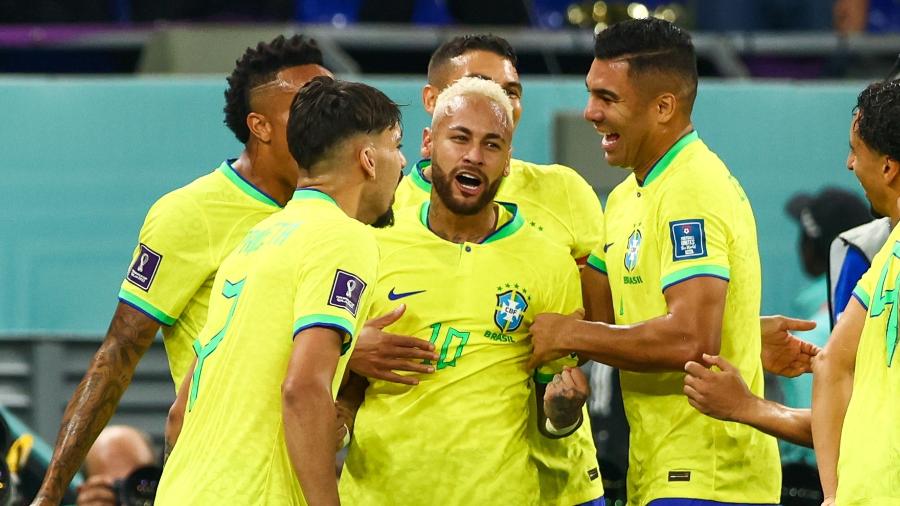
698,502
600,501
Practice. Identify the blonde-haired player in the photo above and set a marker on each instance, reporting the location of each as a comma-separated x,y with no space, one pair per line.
478,277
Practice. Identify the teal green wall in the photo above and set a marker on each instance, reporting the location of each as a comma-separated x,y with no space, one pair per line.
83,159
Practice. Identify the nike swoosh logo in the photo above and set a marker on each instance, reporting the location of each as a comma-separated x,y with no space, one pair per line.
396,296
607,246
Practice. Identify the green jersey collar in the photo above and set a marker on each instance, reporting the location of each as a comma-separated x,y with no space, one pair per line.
670,155
312,194
503,231
244,185
418,175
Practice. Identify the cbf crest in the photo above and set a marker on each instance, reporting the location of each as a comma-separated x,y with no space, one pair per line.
512,301
632,250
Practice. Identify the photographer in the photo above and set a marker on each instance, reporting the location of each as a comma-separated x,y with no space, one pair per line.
118,451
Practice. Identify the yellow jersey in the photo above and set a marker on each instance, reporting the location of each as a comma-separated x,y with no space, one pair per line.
307,266
553,199
186,235
558,203
461,435
869,462
689,218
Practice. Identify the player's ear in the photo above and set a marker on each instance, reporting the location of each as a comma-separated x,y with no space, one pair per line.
429,97
508,162
259,127
665,105
891,169
426,143
367,160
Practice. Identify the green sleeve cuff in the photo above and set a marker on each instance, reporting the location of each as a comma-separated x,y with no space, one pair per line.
542,377
861,296
596,263
146,308
713,271
342,325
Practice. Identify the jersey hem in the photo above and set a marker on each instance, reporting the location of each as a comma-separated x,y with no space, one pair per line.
145,307
596,263
713,271
860,295
329,322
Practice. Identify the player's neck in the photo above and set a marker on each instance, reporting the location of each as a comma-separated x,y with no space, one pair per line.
658,149
263,173
346,194
459,228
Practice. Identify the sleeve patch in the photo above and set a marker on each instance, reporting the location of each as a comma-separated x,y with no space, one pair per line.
688,239
143,270
346,291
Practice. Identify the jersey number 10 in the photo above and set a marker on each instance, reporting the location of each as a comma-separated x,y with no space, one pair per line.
461,339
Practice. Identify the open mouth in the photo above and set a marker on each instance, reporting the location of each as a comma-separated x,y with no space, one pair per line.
610,140
468,183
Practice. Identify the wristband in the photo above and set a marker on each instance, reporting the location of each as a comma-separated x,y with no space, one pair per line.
565,431
346,437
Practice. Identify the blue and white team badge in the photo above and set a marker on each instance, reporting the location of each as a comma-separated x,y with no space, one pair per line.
688,239
632,249
510,312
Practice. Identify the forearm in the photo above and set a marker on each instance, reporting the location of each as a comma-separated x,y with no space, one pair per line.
832,388
96,398
789,424
661,344
353,393
309,427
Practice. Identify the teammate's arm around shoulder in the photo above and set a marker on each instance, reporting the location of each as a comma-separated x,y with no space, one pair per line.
832,386
309,413
130,334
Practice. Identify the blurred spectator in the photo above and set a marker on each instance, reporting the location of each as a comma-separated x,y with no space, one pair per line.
821,218
763,15
854,16
117,452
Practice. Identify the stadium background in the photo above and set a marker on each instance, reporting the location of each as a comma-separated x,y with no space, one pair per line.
86,155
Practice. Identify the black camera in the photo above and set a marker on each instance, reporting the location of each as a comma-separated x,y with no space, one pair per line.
138,488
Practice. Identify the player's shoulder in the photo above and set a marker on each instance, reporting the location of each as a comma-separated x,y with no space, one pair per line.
537,245
192,197
404,233
529,171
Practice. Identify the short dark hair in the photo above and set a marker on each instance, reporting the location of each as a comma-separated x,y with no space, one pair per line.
462,44
651,45
327,111
878,117
259,66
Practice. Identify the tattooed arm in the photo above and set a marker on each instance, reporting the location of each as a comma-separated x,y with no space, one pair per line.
130,334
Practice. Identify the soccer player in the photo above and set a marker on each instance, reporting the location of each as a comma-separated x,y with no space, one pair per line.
856,382
185,236
286,306
683,265
555,201
461,435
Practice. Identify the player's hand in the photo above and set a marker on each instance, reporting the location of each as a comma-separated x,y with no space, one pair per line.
564,397
548,335
345,418
722,395
378,354
782,352
828,501
96,491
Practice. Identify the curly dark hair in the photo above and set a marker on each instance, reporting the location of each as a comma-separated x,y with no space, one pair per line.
650,45
878,117
258,66
327,111
462,44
